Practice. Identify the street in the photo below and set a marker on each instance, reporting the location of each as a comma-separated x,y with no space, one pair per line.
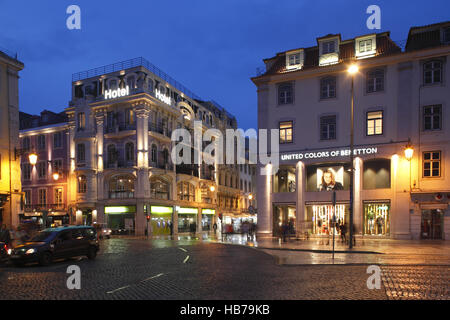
195,269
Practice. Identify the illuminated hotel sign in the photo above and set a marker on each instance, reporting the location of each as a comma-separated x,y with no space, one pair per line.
328,154
163,97
112,94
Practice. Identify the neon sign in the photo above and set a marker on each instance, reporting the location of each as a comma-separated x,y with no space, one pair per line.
112,94
328,154
163,97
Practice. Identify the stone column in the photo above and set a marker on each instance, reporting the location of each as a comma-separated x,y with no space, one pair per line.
199,220
264,191
140,220
300,185
357,205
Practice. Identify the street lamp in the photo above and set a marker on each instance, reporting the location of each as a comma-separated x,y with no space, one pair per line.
409,151
352,70
212,188
55,176
33,158
250,197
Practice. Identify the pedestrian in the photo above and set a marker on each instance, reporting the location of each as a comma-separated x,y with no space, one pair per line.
285,230
344,232
5,236
215,227
171,228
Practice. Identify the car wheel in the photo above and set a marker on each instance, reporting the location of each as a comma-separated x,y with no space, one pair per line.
45,259
92,253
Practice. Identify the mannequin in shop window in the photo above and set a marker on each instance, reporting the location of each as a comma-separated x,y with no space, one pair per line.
329,182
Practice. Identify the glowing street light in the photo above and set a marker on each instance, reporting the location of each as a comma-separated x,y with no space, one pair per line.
212,188
33,158
55,176
353,69
250,196
409,151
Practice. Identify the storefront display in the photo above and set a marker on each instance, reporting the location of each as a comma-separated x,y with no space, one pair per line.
161,220
376,218
321,217
121,219
207,219
432,225
284,216
187,219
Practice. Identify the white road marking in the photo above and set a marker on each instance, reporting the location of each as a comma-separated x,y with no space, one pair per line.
186,259
182,249
118,289
158,275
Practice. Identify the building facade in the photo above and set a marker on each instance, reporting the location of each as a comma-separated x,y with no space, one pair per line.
44,184
10,186
401,104
121,119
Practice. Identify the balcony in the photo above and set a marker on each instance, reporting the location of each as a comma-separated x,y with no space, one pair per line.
123,194
159,128
120,164
45,207
189,169
122,126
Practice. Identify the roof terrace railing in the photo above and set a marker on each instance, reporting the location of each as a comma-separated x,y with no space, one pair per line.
132,63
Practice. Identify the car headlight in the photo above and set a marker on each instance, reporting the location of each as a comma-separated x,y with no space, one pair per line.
9,251
30,251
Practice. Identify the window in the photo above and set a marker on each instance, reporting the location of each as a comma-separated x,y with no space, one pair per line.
154,153
432,72
58,196
57,165
129,116
365,45
328,128
42,197
129,151
328,88
82,184
57,140
374,123
112,154
121,187
26,171
284,180
327,47
27,198
286,132
159,189
447,35
131,82
432,164
41,142
26,144
81,155
285,93
375,80
42,169
432,117
186,191
81,121
294,59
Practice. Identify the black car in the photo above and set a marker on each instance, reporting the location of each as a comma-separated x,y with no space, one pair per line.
57,243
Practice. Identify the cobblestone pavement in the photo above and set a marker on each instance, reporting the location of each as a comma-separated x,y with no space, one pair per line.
190,269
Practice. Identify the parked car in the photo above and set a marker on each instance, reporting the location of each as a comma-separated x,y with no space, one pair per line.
57,243
105,232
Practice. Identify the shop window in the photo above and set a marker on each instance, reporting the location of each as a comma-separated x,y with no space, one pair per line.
335,176
432,164
432,117
432,72
374,123
283,181
376,218
319,219
284,217
432,224
377,174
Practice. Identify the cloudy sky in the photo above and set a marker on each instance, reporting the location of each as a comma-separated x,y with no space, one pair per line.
212,47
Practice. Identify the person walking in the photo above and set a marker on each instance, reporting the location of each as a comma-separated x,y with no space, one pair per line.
215,228
5,236
344,232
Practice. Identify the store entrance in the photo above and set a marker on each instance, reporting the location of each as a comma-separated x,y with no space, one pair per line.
432,224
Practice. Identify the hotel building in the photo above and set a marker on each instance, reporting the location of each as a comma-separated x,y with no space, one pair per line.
10,187
401,135
120,121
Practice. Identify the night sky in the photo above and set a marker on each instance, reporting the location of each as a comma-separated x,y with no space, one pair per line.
212,47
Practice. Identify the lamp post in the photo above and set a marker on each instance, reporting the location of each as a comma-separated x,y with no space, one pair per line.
409,151
352,70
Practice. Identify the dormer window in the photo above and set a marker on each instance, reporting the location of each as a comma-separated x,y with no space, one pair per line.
365,47
446,36
294,60
328,47
328,51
